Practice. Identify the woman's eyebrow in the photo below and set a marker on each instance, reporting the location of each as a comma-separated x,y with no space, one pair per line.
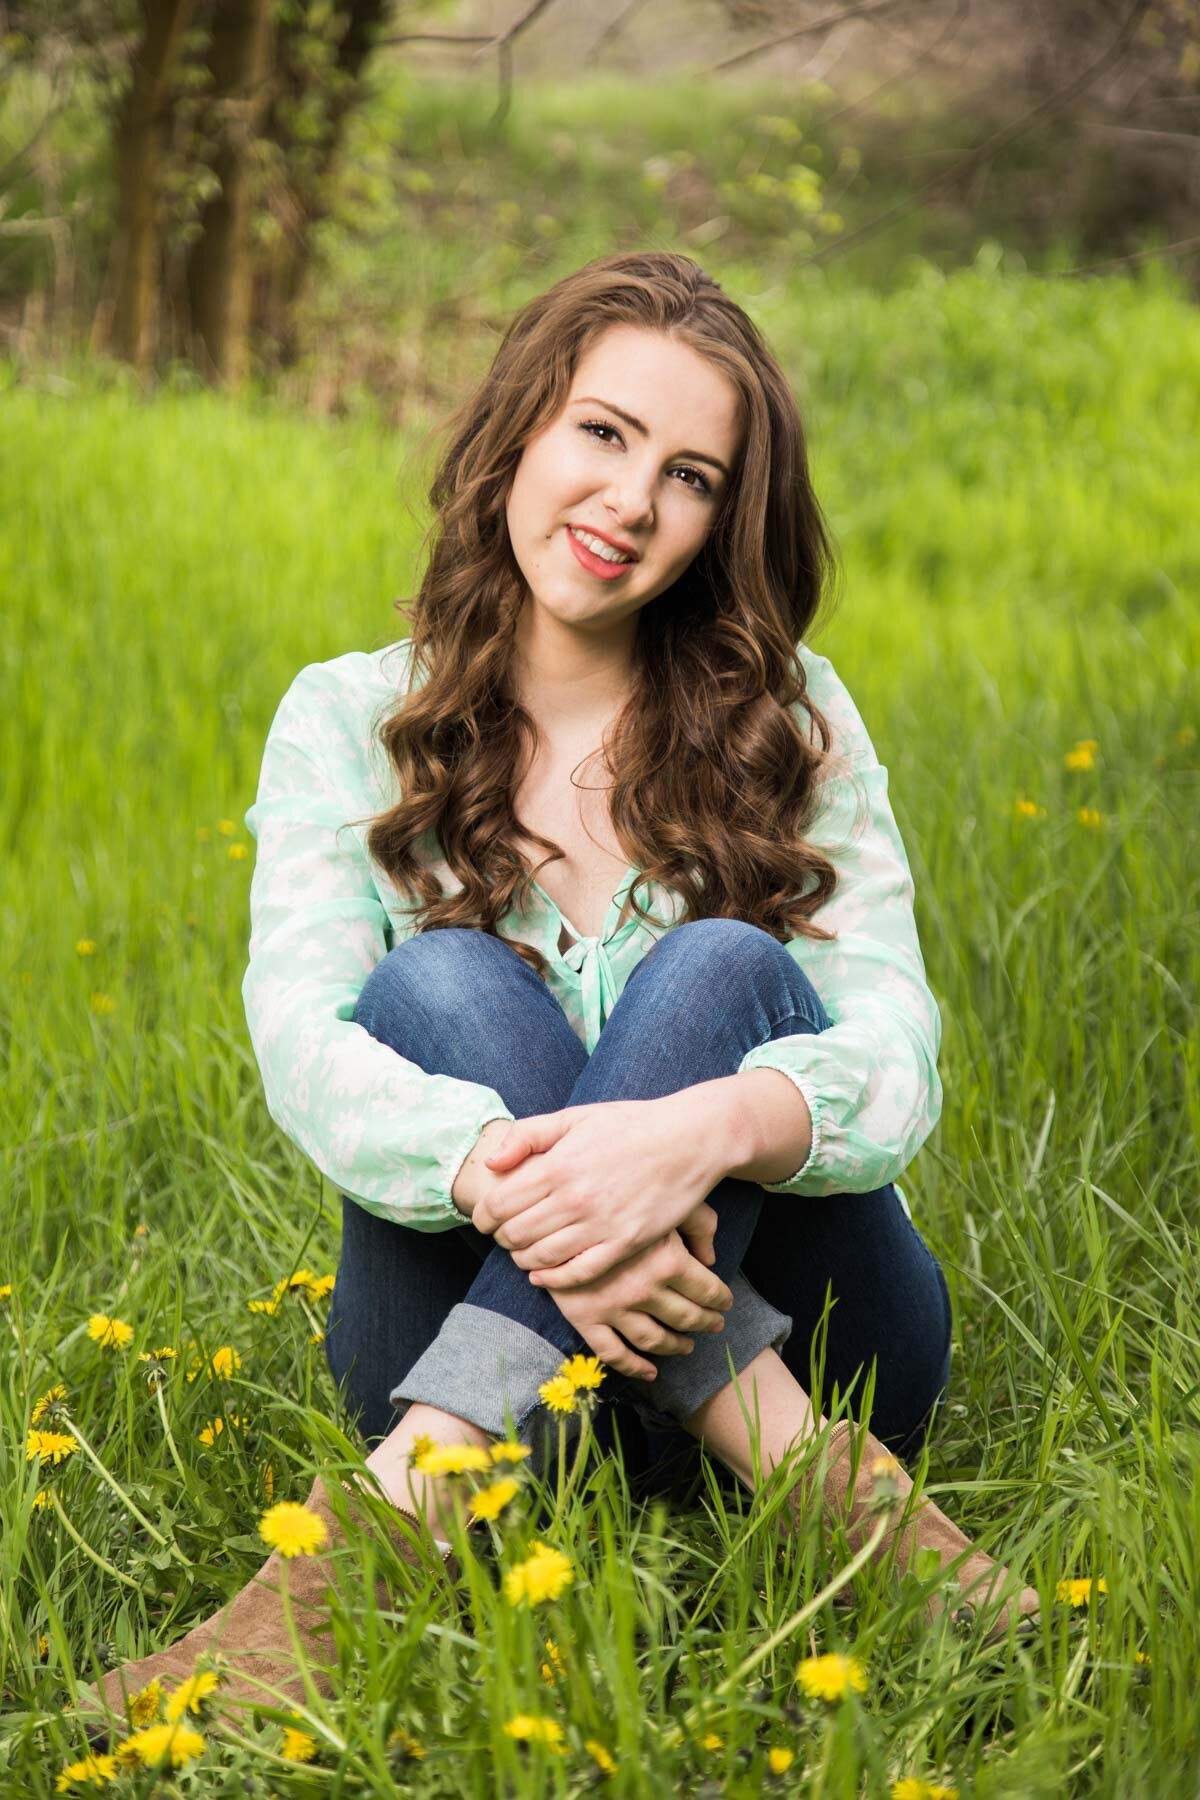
636,424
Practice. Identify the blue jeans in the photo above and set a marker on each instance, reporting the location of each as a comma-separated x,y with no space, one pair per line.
449,1318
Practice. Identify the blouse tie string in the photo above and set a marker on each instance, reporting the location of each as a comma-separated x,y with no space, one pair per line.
590,961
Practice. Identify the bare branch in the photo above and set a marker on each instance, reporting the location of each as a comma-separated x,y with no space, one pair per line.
866,10
1182,247
502,42
997,141
1102,128
923,53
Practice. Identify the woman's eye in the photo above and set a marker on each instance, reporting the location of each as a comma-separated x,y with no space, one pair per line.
593,425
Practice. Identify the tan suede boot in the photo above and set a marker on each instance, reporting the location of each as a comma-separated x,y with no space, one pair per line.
248,1641
862,1479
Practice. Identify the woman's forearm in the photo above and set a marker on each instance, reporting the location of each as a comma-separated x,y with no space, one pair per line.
758,1123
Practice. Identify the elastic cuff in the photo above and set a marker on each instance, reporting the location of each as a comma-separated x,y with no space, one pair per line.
816,1112
481,1363
452,1164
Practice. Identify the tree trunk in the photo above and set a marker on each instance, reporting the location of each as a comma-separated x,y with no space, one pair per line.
220,268
128,316
301,204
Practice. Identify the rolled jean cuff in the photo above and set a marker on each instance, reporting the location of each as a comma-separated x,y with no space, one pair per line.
684,1383
482,1363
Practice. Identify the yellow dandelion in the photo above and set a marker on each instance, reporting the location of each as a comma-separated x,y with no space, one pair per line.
5,1290
85,947
110,1334
298,1746
559,1394
42,1647
532,1728
712,1741
543,1576
91,1771
1078,1593
1028,809
1140,1656
1090,817
225,1361
292,1529
913,1788
145,1704
780,1759
831,1678
319,1287
212,1431
191,1694
489,1502
41,1500
453,1459
51,1401
164,1353
227,827
1082,755
263,1306
600,1755
316,1337
510,1452
403,1744
176,1744
237,853
49,1446
103,1004
583,1371
556,1668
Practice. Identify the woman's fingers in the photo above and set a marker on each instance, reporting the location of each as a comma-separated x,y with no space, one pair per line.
674,1309
701,1286
615,1352
540,1246
699,1230
649,1333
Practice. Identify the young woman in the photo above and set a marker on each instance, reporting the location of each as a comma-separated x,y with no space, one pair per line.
583,957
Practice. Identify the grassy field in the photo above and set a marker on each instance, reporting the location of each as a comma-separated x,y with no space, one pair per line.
1009,466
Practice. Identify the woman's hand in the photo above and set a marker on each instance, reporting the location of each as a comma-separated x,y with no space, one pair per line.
582,1190
653,1298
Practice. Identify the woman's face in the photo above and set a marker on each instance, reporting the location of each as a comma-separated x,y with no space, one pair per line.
641,455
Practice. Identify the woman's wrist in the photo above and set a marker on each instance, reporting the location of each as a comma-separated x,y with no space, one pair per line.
470,1182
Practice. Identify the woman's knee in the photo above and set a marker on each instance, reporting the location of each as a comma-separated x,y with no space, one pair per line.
434,969
731,950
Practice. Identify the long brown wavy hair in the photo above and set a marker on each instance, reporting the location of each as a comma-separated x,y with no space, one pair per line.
714,778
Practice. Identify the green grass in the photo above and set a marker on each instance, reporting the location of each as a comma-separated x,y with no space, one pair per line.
1006,462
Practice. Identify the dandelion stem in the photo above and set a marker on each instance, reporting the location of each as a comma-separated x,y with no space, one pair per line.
789,1626
99,1561
167,1432
585,1432
119,1491
562,1466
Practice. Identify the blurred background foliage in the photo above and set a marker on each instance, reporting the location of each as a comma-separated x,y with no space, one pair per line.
347,201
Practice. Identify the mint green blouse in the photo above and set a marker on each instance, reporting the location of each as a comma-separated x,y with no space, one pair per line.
394,1136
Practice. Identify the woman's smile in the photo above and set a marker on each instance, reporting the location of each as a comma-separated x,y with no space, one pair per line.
594,563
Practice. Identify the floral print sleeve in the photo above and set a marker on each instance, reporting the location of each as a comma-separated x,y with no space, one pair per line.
871,1079
384,1130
